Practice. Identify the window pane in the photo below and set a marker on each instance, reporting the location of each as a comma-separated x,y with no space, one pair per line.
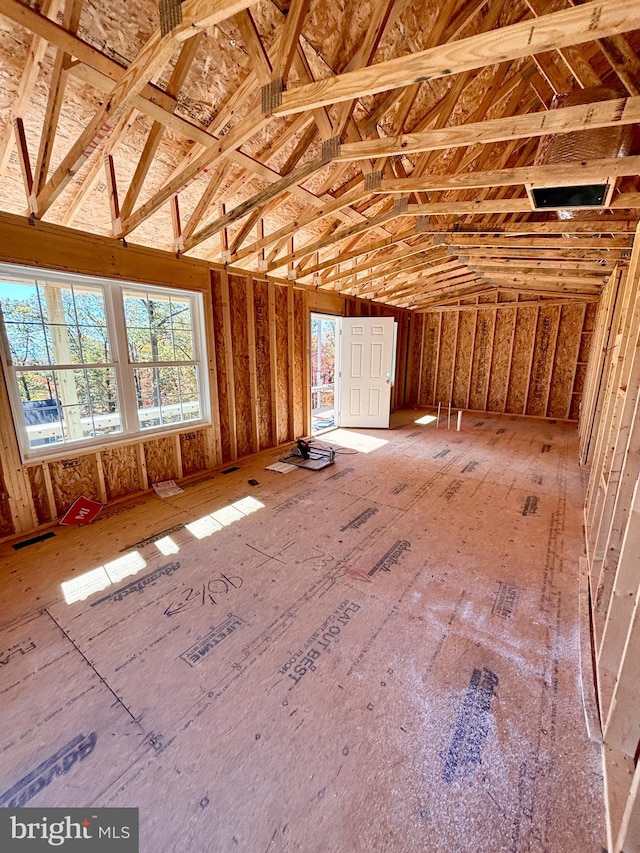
135,309
27,343
94,341
166,395
181,314
159,328
183,344
50,324
23,323
67,405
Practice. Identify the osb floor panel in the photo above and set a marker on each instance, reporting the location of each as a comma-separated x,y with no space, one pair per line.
382,658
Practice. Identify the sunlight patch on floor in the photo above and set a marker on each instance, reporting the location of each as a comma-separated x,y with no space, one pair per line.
354,440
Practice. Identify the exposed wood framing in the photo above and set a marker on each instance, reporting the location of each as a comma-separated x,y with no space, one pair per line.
612,439
553,31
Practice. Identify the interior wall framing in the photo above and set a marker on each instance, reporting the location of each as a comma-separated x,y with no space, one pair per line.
258,357
503,356
610,444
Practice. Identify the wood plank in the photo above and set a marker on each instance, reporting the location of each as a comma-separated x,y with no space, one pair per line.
273,362
615,112
381,260
454,360
591,270
332,207
622,729
537,251
510,359
505,240
380,19
268,194
291,378
23,157
177,452
558,29
244,415
112,189
436,370
57,84
629,833
94,170
294,23
237,136
323,242
565,174
178,242
578,66
429,265
491,355
473,350
253,374
630,310
525,265
615,460
158,106
626,588
228,347
459,284
255,48
306,364
205,201
176,81
576,365
595,370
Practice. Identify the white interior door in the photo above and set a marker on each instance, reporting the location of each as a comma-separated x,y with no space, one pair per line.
366,370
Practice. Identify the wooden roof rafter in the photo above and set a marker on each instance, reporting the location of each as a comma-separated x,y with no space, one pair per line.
555,30
455,123
197,15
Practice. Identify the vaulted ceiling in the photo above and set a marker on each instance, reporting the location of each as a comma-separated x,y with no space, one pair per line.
379,148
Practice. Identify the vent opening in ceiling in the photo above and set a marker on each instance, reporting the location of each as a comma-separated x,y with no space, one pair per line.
558,198
583,145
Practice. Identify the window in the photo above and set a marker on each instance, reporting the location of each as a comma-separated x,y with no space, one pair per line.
90,361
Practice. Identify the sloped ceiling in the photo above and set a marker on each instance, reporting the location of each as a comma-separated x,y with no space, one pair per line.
379,148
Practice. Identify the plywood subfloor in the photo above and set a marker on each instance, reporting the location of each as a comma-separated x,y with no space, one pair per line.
382,657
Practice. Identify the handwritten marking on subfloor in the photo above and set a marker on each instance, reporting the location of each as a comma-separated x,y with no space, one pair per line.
21,648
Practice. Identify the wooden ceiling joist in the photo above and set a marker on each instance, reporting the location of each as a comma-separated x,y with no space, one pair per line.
388,157
560,174
615,112
550,32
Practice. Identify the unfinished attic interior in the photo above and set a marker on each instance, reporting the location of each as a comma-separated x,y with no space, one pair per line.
406,234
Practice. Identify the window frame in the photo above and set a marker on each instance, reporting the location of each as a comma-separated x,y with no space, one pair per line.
113,290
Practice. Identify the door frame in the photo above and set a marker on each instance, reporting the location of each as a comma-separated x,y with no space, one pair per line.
326,315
